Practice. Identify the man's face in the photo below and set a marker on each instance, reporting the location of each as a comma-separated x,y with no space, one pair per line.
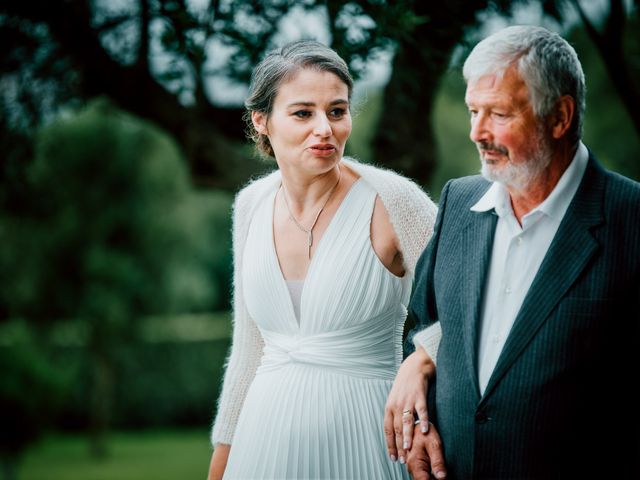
513,145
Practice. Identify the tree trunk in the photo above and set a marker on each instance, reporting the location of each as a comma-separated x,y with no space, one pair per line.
404,138
101,396
610,45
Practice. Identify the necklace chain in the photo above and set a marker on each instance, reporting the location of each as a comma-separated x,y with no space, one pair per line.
309,231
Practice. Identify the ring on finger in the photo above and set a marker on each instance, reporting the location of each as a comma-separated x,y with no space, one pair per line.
407,412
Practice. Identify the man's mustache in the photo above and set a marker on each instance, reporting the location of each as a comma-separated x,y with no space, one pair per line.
482,146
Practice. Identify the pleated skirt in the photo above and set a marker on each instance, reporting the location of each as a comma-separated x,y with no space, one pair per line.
305,422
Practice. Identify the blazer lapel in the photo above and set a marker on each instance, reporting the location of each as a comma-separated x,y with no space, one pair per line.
477,243
569,252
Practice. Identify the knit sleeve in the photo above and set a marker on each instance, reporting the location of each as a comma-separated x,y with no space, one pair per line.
429,339
247,343
413,220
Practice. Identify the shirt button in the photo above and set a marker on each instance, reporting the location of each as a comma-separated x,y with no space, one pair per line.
496,339
519,240
481,418
507,290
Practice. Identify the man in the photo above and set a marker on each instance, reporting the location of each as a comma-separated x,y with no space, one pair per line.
533,274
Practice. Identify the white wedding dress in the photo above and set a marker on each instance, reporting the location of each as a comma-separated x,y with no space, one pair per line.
315,408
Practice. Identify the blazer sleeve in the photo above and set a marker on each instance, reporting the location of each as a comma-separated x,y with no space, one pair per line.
423,308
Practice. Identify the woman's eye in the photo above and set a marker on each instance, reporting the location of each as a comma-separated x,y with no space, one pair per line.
338,112
302,114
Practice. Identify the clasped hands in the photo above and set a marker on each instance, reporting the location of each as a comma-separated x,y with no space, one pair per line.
409,440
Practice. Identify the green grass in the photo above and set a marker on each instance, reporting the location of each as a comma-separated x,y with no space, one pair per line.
156,455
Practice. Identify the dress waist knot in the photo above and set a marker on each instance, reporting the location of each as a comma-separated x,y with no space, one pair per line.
361,350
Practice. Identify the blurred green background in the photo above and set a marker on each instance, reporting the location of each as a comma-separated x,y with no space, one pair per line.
122,147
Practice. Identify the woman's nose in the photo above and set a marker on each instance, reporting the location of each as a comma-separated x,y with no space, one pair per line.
322,127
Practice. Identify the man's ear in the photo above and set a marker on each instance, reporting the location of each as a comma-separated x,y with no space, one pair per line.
562,117
259,120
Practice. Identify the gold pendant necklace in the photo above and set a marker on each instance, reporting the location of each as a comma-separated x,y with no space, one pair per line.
309,231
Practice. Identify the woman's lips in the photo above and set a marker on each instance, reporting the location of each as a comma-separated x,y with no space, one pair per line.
322,150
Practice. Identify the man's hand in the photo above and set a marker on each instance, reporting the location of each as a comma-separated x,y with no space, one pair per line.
407,398
425,459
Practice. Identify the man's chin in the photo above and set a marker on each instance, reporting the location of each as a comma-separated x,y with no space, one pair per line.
501,175
489,172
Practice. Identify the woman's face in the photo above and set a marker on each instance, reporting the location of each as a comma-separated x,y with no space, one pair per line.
310,122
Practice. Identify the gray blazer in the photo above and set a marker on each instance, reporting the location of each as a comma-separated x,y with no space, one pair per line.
560,402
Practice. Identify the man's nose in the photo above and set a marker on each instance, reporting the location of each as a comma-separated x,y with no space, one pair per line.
479,128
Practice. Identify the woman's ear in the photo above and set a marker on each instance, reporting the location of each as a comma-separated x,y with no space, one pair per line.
259,120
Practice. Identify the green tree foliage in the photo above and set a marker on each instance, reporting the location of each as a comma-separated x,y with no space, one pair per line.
156,58
609,124
31,392
116,232
167,384
615,36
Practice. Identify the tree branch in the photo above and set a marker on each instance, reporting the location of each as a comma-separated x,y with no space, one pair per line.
142,61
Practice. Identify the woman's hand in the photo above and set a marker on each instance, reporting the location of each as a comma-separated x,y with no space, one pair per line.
407,398
218,461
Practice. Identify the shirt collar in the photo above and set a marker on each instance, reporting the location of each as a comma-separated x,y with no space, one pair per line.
494,199
555,205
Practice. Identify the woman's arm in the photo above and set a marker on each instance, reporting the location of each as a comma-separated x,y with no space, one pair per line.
413,216
247,342
385,241
218,461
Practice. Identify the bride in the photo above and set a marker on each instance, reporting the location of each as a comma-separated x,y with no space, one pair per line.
324,253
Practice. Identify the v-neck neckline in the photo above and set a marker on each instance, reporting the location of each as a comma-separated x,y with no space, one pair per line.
319,250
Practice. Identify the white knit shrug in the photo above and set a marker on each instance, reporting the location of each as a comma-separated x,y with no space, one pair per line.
412,215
